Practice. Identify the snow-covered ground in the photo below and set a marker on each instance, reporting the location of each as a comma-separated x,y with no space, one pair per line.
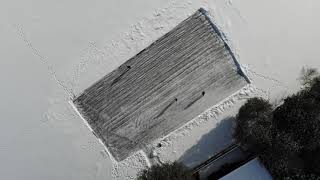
53,50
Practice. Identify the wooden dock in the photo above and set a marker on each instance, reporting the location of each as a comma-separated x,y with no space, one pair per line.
177,77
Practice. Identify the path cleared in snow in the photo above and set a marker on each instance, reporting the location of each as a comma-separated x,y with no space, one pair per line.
175,79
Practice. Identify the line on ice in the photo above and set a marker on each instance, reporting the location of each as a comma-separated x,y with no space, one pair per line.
100,141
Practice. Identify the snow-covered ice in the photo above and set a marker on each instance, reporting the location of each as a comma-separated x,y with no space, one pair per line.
52,50
252,170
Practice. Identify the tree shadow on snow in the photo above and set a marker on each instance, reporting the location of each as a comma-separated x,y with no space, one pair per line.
210,144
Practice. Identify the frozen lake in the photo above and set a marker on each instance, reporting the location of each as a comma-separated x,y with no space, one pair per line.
52,51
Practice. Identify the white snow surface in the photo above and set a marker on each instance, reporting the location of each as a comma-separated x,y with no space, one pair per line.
50,51
253,170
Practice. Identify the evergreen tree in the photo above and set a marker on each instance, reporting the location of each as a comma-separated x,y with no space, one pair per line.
166,171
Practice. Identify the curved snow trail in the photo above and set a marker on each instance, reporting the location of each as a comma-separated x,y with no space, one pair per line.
43,59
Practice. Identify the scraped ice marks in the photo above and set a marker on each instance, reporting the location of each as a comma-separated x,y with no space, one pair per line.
214,112
96,58
162,87
171,146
